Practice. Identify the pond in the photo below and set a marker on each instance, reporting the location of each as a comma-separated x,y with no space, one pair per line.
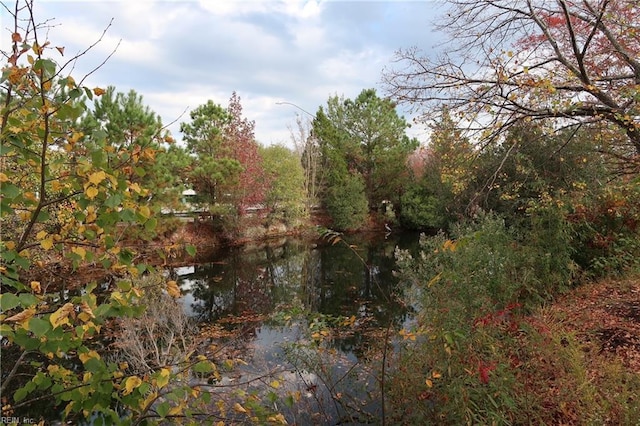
315,312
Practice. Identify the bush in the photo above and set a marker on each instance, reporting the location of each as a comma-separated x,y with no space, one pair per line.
471,289
606,230
162,335
425,208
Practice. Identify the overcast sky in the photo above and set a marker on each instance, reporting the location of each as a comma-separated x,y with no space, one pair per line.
179,54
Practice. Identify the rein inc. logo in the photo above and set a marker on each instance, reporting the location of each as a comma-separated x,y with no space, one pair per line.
17,421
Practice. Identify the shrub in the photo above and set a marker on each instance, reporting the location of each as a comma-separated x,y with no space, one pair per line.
471,290
606,230
162,335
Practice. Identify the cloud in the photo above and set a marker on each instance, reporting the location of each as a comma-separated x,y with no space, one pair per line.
232,8
178,55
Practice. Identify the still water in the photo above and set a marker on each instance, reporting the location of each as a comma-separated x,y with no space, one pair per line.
250,295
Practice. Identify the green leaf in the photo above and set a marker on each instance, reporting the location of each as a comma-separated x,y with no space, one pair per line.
25,341
66,112
43,216
190,249
89,93
113,201
94,365
6,331
124,285
8,255
128,215
5,207
22,262
203,367
99,136
141,268
8,301
150,225
125,257
47,65
5,149
98,157
75,93
39,327
163,409
10,190
91,286
20,394
28,299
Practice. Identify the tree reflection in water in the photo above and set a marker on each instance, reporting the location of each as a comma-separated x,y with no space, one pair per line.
241,289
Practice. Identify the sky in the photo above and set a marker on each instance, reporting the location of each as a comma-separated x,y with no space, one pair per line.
283,58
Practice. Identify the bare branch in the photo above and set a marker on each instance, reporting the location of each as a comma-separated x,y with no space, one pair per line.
560,61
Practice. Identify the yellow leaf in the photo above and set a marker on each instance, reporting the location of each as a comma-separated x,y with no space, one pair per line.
163,379
173,289
149,153
61,316
47,243
145,212
3,178
35,287
239,408
75,137
86,309
429,383
84,357
149,399
449,245
97,177
56,185
91,192
435,375
275,384
79,251
41,235
177,410
135,187
10,245
68,408
99,91
278,418
130,383
434,280
86,378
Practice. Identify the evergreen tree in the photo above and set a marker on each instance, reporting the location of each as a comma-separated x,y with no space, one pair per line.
366,138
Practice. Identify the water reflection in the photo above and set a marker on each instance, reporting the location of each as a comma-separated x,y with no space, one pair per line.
350,278
353,278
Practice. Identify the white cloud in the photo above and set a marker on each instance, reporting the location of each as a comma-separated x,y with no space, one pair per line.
293,8
179,54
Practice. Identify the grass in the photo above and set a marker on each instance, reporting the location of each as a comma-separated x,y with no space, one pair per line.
555,367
